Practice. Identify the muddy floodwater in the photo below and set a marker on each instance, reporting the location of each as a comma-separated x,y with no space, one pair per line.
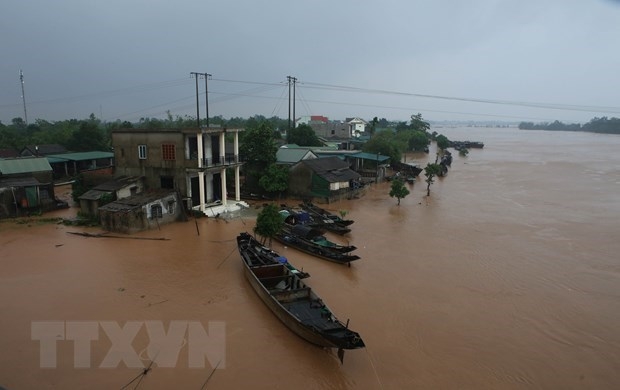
506,277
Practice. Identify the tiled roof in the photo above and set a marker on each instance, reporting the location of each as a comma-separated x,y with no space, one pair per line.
332,169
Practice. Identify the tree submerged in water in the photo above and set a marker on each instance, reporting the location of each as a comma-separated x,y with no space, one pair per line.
430,171
398,190
268,223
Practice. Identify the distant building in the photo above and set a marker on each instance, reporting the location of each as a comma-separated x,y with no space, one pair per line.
334,129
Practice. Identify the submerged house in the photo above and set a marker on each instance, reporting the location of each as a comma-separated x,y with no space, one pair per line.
195,162
140,212
326,178
115,189
26,186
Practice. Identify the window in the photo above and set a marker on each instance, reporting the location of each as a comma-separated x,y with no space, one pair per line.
142,152
166,182
171,206
167,152
156,211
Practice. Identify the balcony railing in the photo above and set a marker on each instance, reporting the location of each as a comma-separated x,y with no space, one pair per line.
228,159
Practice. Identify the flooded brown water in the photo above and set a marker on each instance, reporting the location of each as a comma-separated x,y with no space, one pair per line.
507,277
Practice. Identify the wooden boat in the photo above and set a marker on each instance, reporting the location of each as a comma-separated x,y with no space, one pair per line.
319,212
296,304
302,217
314,236
298,237
258,255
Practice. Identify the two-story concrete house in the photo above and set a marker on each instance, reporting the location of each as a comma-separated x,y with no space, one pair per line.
193,162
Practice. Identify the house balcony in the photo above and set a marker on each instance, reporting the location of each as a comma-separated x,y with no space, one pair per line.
217,162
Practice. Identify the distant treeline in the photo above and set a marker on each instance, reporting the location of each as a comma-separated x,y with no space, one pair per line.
596,125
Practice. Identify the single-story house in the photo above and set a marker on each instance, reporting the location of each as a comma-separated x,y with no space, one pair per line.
325,178
25,186
144,211
119,188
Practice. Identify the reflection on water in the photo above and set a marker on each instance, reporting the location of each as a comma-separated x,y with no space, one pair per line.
506,277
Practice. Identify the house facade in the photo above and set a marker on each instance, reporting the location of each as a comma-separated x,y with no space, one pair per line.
193,162
140,212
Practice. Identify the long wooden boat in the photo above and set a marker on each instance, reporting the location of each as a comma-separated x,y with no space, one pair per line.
295,237
296,304
319,212
258,255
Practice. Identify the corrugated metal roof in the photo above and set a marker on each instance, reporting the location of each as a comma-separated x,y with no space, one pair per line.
93,195
293,155
136,201
81,156
24,165
370,156
19,182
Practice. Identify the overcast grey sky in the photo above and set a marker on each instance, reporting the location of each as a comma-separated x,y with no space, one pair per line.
447,59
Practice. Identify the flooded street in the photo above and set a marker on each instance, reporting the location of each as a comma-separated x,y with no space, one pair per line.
506,277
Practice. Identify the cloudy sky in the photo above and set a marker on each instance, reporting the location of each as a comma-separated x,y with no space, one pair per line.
534,60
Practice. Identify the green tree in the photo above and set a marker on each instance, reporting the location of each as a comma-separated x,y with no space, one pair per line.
373,125
430,171
418,141
398,190
442,142
258,149
419,124
384,143
268,223
88,137
463,152
275,179
303,135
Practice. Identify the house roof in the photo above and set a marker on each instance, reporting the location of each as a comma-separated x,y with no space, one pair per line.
14,166
19,182
117,183
109,187
370,156
293,155
42,150
332,169
136,201
7,153
79,156
93,194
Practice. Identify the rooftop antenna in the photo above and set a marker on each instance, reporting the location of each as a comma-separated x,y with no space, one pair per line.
21,78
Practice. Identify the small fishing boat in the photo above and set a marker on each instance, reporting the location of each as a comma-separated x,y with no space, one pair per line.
309,240
295,303
299,216
317,211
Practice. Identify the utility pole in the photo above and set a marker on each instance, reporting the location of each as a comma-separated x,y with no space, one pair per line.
291,80
197,76
21,79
